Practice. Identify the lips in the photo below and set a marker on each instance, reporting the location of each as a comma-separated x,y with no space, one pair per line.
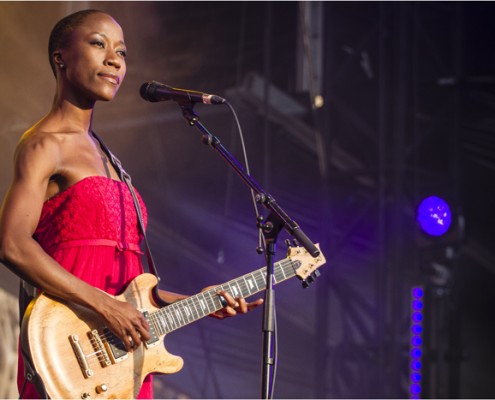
113,79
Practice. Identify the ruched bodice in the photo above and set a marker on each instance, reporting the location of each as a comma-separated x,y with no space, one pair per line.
95,208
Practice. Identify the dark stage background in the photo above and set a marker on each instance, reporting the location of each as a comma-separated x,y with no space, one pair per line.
408,90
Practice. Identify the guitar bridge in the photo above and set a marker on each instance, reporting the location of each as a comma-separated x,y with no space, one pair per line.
81,358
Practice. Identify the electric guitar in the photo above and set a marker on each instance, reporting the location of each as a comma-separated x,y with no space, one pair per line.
77,357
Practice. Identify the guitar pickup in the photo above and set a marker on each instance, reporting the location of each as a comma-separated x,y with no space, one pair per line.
115,346
154,338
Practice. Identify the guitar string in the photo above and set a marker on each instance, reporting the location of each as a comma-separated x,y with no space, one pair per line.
158,319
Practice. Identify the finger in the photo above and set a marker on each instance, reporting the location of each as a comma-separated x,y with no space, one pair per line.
144,323
229,299
143,329
254,304
134,339
243,307
128,342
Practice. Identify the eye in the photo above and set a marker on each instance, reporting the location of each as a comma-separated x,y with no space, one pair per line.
98,43
122,53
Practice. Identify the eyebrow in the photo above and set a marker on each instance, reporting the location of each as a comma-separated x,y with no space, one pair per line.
105,36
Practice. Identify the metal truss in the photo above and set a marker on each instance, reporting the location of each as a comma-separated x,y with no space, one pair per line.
391,97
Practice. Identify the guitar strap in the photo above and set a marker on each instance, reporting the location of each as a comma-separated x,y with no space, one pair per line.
27,293
125,177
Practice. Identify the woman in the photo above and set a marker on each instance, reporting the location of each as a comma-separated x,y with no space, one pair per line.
68,223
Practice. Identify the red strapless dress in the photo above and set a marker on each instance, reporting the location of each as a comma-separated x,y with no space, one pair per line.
92,230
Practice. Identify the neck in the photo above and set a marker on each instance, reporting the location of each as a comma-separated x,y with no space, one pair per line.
73,116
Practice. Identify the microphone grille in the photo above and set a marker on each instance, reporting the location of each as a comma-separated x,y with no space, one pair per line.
147,91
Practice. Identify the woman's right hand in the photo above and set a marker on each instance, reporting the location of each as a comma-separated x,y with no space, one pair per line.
125,321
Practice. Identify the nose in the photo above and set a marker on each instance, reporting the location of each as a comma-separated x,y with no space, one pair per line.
113,60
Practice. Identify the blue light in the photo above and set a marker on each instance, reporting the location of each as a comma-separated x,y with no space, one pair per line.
417,305
417,317
415,388
416,341
434,216
416,353
416,329
416,365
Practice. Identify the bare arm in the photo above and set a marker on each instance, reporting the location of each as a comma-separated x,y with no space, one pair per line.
36,161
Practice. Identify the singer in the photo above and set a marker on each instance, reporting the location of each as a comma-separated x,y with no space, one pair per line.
68,224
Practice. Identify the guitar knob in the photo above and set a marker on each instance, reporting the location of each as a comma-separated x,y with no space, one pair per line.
101,388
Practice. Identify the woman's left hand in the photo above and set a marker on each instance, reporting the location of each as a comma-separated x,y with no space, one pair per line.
234,306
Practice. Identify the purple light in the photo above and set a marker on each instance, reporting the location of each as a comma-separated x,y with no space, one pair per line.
417,293
416,340
416,365
416,353
417,305
415,377
434,216
416,329
417,317
415,388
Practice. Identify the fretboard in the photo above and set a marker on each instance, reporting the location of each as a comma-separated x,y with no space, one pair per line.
193,308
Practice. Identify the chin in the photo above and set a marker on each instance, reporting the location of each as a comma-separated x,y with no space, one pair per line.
107,96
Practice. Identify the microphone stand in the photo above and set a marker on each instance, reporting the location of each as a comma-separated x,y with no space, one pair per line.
276,220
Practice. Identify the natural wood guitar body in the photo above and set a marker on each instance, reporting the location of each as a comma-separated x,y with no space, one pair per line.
77,357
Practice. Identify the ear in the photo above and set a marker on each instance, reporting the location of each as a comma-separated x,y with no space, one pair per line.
57,58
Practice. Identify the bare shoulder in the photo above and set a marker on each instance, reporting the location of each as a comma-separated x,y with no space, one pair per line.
38,152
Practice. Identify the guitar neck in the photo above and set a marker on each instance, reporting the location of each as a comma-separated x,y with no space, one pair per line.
184,312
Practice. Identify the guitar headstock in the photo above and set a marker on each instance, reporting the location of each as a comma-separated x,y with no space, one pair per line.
307,271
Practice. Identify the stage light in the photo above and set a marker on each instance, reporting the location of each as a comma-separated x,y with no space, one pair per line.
417,305
415,377
434,216
416,342
417,293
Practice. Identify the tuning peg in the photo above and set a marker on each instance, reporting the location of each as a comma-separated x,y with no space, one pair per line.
316,274
296,243
305,284
287,243
310,279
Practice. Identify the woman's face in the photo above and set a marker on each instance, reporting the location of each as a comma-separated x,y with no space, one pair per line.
94,60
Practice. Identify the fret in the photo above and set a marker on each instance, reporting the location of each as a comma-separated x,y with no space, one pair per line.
249,284
235,290
261,278
153,323
178,314
209,302
215,301
189,311
203,305
170,319
200,305
158,322
280,269
193,302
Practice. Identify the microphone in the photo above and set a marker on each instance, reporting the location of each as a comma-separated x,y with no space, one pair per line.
156,91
